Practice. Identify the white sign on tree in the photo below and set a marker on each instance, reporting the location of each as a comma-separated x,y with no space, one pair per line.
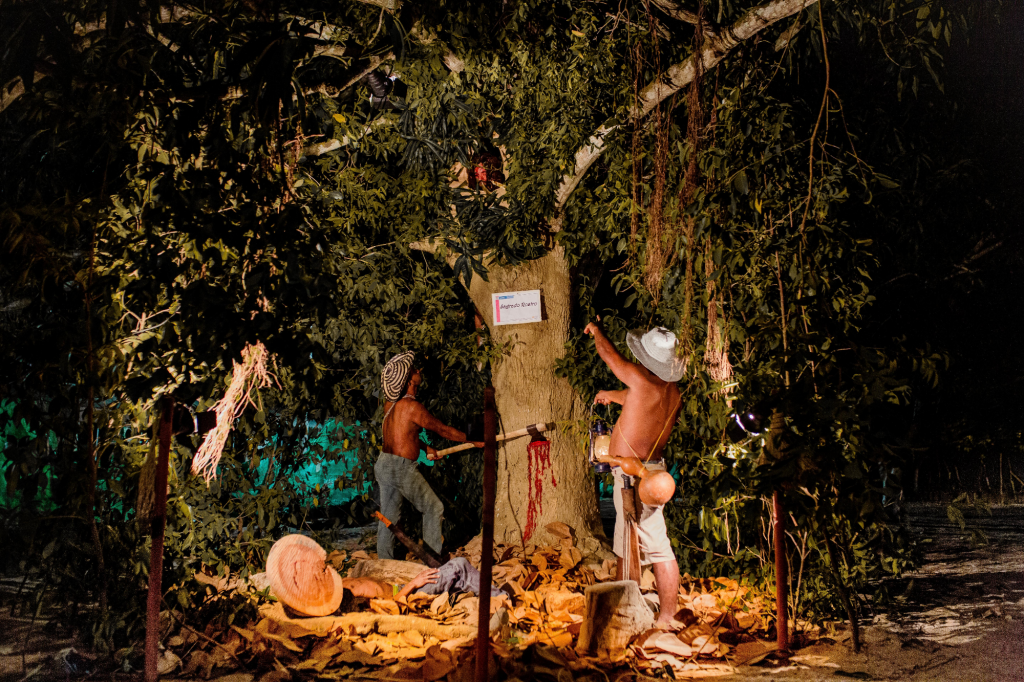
516,307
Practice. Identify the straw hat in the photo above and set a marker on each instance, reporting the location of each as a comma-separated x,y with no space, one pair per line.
656,350
301,578
396,375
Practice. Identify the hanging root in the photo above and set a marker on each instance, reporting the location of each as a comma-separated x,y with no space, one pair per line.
716,353
250,375
666,233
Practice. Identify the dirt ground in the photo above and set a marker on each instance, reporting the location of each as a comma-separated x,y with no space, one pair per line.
961,619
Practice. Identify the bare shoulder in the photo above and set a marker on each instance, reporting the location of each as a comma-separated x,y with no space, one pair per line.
649,390
646,383
416,411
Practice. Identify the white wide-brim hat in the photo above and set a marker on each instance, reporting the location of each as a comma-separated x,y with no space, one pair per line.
656,350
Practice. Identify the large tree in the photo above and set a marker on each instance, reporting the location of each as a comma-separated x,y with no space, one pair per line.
202,176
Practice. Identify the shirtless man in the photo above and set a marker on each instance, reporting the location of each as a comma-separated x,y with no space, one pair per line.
395,469
650,405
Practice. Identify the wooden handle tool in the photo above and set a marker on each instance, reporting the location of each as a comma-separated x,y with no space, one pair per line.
540,427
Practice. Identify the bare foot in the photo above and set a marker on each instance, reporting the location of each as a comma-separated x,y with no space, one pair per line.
670,624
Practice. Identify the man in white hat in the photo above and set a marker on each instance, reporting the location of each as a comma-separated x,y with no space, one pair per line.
650,405
395,470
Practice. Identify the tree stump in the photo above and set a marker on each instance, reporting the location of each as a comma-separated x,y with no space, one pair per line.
301,578
615,613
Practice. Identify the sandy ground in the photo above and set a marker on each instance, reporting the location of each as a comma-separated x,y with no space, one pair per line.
28,648
962,618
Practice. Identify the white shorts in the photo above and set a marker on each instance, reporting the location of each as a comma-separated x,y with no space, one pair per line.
655,546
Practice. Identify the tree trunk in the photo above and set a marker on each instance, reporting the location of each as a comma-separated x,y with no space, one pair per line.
526,392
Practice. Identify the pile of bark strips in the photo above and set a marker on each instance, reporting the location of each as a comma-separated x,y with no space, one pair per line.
423,637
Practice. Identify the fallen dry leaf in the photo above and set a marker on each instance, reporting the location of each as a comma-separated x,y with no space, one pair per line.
168,662
439,662
560,530
667,642
705,644
387,607
749,653
358,655
427,637
413,638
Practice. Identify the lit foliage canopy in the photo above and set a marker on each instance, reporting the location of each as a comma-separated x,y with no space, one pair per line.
180,181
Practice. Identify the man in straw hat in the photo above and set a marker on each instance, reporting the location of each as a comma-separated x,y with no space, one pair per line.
395,469
650,405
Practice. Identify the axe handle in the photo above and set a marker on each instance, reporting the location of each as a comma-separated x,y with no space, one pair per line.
414,547
540,428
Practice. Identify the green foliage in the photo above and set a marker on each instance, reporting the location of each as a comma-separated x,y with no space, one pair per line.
958,511
168,201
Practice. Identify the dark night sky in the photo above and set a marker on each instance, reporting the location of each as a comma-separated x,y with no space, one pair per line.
986,75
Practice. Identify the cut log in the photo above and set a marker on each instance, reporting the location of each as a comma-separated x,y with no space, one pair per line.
388,570
301,578
615,613
364,623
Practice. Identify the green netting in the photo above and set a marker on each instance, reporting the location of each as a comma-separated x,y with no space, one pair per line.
329,464
324,471
13,432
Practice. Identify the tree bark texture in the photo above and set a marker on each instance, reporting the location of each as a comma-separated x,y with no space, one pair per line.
526,392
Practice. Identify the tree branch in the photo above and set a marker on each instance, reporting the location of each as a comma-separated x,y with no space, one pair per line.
15,88
980,250
716,48
479,289
321,148
672,8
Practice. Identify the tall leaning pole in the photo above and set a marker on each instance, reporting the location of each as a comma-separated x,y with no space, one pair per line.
483,635
156,550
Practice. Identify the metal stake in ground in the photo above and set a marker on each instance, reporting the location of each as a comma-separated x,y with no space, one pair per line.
483,634
781,575
156,550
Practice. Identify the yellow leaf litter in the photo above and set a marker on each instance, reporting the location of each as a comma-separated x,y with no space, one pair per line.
427,637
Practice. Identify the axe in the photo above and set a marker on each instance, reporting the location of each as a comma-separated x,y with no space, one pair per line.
424,554
536,428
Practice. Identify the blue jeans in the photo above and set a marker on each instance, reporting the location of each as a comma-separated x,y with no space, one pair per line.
398,477
458,575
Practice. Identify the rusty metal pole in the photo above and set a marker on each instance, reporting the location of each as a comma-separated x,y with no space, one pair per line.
781,574
483,634
156,551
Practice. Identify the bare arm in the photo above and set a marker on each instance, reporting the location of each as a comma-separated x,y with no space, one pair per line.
626,371
424,578
422,418
607,397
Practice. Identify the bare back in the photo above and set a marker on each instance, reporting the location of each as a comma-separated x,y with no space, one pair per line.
401,432
649,413
402,427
